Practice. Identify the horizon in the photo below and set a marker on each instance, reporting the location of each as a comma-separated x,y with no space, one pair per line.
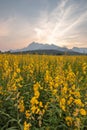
58,22
42,49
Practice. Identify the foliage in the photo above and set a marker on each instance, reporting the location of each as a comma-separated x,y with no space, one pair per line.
43,92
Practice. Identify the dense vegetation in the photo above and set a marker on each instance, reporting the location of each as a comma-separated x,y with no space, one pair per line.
39,92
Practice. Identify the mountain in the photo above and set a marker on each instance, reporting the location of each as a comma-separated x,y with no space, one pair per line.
80,50
39,46
45,48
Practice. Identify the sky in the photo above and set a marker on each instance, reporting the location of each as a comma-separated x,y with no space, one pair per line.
59,22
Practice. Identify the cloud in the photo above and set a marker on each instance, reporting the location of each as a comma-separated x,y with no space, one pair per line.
4,29
63,25
15,32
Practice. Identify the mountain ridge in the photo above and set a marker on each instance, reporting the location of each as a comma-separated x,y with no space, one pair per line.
34,46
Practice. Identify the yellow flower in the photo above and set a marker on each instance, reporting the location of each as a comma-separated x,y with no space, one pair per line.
62,101
1,90
37,111
36,86
73,87
33,109
77,122
70,100
54,91
18,70
27,126
46,106
34,101
77,94
37,94
64,90
69,120
55,85
40,104
78,102
21,105
14,87
43,111
82,112
76,112
62,104
63,108
27,113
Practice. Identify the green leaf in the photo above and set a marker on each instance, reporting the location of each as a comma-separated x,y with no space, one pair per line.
12,128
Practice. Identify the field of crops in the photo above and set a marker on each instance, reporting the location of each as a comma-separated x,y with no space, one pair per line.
39,92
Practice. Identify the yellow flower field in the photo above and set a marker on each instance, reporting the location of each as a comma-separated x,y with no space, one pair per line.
40,92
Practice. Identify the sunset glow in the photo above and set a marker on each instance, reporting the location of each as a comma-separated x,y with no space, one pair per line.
61,22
